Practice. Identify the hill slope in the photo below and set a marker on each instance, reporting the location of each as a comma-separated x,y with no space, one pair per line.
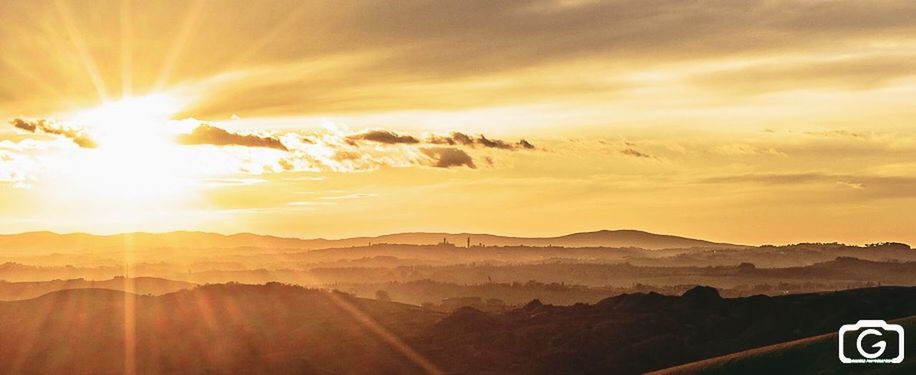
275,328
212,329
53,242
805,356
10,291
635,333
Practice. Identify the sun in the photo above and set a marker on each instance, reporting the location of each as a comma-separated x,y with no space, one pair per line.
129,119
136,165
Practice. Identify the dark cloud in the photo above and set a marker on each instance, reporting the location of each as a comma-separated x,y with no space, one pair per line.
49,127
461,139
455,138
773,178
384,136
445,157
210,135
635,153
493,143
838,133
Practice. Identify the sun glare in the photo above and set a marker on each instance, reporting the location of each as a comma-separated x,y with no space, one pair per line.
136,162
128,116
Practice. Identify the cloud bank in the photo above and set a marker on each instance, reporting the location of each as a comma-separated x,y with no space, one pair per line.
320,149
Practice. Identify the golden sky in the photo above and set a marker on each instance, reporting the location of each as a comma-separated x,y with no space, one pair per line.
743,121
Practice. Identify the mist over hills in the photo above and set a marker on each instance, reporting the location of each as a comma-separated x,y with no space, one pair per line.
624,301
82,241
593,302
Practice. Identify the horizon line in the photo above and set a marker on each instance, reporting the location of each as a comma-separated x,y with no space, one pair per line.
463,233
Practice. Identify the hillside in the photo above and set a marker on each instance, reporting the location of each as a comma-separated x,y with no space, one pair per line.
809,355
235,328
54,242
635,333
213,329
10,291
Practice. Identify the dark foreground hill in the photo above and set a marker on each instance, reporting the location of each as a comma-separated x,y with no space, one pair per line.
805,356
211,329
644,332
283,329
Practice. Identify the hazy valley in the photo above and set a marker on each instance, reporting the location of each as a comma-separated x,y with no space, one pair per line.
447,305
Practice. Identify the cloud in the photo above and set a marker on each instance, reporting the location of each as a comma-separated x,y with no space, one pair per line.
776,178
422,46
320,149
384,136
445,157
629,151
210,135
457,138
419,49
16,169
743,149
335,149
526,145
495,143
49,127
840,133
454,139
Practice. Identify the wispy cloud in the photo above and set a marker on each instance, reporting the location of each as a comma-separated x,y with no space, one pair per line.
629,151
839,133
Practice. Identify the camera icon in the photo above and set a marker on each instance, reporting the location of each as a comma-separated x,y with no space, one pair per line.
875,341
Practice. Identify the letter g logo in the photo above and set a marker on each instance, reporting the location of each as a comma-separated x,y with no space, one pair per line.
880,345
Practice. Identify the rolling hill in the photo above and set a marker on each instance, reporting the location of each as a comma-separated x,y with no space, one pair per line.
212,329
10,291
275,328
805,356
54,242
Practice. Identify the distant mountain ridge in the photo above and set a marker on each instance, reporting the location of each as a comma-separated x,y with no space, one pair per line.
183,239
